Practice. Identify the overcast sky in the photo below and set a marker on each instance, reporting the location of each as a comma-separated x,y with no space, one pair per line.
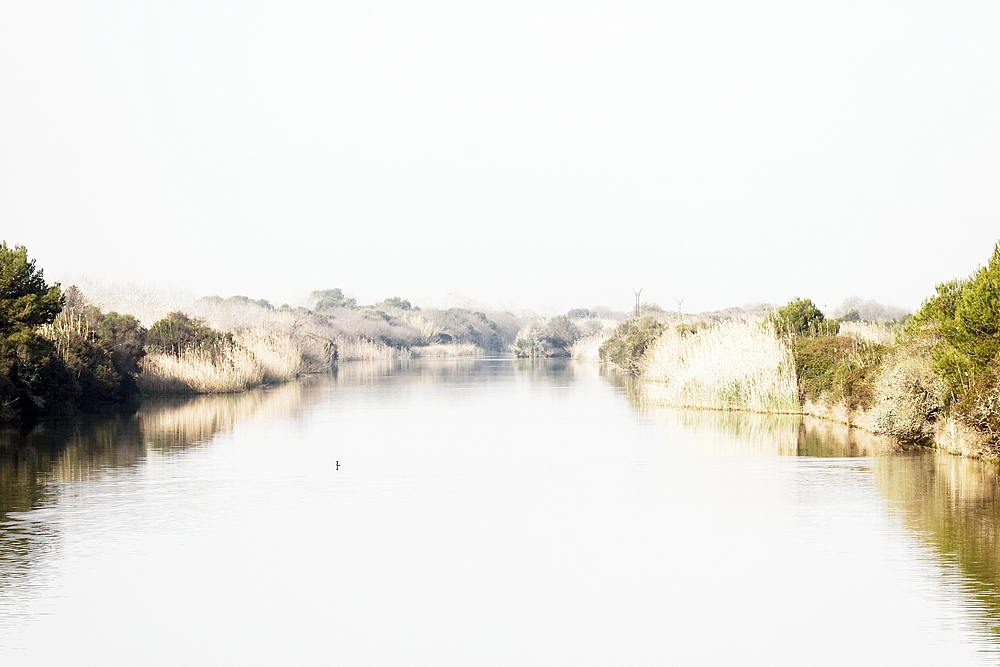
543,154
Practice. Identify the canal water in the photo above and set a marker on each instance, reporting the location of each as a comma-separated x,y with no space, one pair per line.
487,512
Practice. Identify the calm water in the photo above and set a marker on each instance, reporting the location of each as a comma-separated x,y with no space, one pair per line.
486,513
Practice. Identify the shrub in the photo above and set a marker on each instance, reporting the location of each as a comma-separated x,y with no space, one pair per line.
625,347
963,321
458,325
547,338
909,395
101,352
397,302
560,332
177,333
802,317
837,368
332,298
979,408
528,347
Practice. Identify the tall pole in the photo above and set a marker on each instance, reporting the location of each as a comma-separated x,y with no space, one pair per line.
638,310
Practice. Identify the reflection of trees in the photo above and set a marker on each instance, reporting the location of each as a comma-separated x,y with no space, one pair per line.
954,503
34,463
31,466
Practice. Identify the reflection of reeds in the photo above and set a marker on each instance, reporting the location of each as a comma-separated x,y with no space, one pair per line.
255,356
716,433
173,424
734,365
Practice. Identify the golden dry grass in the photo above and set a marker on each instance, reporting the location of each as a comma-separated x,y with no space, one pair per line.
446,351
880,333
359,349
586,348
733,365
255,357
276,354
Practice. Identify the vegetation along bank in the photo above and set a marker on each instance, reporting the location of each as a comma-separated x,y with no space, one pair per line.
64,351
931,379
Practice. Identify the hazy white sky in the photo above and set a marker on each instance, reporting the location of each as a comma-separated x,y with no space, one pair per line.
538,153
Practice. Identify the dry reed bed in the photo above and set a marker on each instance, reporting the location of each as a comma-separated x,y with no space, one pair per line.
586,348
255,357
446,351
879,333
359,349
734,365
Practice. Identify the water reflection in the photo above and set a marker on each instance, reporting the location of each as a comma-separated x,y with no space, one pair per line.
951,503
176,424
36,465
720,433
954,504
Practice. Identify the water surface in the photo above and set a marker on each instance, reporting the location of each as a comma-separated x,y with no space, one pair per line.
486,512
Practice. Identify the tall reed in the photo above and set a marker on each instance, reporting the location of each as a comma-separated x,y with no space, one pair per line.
254,357
880,333
276,354
586,348
359,349
446,351
733,365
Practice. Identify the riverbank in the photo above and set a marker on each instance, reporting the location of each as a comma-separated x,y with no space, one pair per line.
67,351
932,380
